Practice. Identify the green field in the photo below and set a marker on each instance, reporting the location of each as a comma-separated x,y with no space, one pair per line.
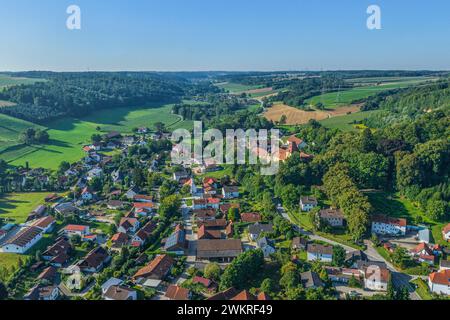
68,135
6,80
236,87
17,206
334,100
10,129
346,123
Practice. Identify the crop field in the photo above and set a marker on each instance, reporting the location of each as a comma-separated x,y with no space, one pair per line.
68,135
335,100
17,206
346,122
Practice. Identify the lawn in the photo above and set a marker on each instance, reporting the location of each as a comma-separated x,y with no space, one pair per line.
227,171
347,122
6,80
422,289
8,260
68,135
237,87
334,100
17,206
10,129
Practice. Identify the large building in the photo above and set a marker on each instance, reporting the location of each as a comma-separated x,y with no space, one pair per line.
219,249
318,252
439,282
385,225
23,240
333,217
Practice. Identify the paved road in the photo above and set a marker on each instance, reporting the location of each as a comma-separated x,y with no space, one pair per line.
399,279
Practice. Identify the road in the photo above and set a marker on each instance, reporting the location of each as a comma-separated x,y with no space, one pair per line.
399,279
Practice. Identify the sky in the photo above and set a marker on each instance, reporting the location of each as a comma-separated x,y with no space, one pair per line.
239,35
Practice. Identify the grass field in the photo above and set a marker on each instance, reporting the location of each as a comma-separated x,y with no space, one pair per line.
236,88
10,129
17,206
346,123
334,100
422,289
68,135
6,80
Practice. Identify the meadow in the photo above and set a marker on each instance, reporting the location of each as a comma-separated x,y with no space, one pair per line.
16,206
10,129
347,122
6,80
337,99
236,88
68,135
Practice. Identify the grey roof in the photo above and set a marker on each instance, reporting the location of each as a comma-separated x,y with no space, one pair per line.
309,200
445,263
424,235
310,279
258,228
176,238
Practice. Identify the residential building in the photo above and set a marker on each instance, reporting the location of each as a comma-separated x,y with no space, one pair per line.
73,229
157,269
376,278
446,232
308,203
222,250
177,293
439,282
251,217
120,293
266,246
46,224
385,225
333,217
128,225
299,243
310,280
318,252
230,192
95,260
45,293
257,229
176,242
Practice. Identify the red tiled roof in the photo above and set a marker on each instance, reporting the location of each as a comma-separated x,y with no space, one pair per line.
44,222
177,293
251,217
141,205
158,267
389,220
74,228
441,277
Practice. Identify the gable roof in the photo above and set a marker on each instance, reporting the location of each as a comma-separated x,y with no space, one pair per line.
95,258
380,218
258,228
118,292
441,277
251,217
24,236
177,293
44,222
310,279
157,268
318,248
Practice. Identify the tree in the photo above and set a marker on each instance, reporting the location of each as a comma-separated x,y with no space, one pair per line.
233,214
170,206
159,127
138,177
400,257
96,138
242,270
267,286
390,290
3,292
63,167
437,209
283,119
338,256
41,136
212,271
368,143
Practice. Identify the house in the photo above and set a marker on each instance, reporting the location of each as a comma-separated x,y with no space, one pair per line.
112,135
266,246
46,293
204,214
131,193
179,175
87,194
115,205
58,253
73,229
49,274
446,232
219,249
128,141
119,240
256,229
143,234
230,192
46,224
333,217
310,280
208,284
439,282
157,269
22,241
385,225
204,233
224,208
299,243
308,203
318,252
110,282
177,293
143,208
421,249
213,224
444,265
176,242
65,208
143,198
128,225
120,293
94,173
297,142
376,277
94,260
251,217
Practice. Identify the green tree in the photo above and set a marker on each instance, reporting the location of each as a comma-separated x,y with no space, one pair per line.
338,256
233,214
212,271
3,292
242,270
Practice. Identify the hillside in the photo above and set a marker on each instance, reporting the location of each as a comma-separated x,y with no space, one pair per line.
10,129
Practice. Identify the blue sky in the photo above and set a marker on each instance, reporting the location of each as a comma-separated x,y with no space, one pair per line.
224,35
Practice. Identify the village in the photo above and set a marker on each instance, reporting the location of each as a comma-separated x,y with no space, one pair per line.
161,231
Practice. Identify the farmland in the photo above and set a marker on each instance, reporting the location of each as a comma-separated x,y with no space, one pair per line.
6,81
68,135
347,122
17,206
10,129
236,88
337,99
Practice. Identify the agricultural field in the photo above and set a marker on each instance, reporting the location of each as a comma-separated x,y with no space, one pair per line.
236,88
347,122
335,100
68,135
6,81
10,129
16,206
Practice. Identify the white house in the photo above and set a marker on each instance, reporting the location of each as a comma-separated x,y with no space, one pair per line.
266,246
86,194
128,225
120,293
333,217
230,192
46,293
23,240
94,173
376,278
308,203
46,224
439,282
73,229
446,232
177,176
385,225
317,252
